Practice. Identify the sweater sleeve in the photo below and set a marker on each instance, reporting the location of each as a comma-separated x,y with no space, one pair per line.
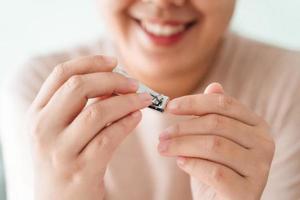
284,179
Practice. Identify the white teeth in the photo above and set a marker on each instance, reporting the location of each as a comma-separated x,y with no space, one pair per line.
162,30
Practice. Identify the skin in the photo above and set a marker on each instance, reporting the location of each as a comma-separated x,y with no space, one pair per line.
226,148
72,140
165,68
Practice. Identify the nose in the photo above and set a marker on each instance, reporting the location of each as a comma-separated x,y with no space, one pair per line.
165,3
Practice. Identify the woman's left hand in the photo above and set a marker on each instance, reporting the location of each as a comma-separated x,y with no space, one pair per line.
226,147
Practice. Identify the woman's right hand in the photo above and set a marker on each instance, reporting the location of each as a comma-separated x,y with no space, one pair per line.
72,141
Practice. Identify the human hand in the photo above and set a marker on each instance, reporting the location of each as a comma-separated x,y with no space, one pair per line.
72,141
226,148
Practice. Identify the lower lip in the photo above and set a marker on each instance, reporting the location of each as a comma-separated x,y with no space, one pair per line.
164,40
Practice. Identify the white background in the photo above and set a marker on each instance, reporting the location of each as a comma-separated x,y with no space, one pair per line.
29,27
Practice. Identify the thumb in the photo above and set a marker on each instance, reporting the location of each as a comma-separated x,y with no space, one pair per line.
214,88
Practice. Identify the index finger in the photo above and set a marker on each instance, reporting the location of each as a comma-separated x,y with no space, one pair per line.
202,104
62,72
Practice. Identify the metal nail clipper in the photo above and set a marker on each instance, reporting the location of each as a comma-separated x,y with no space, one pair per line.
159,101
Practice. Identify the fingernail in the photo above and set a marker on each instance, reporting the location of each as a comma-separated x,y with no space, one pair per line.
110,60
172,105
163,146
145,97
181,161
166,134
134,84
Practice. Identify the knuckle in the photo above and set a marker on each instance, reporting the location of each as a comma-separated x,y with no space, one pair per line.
224,102
75,176
58,159
214,144
124,125
105,143
216,122
60,70
93,114
36,129
72,173
74,83
67,169
218,174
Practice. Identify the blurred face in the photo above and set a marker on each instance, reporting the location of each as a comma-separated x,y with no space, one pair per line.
166,36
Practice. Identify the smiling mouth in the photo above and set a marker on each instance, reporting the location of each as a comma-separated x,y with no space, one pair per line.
165,32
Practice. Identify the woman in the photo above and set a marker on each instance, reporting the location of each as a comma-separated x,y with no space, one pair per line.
214,142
